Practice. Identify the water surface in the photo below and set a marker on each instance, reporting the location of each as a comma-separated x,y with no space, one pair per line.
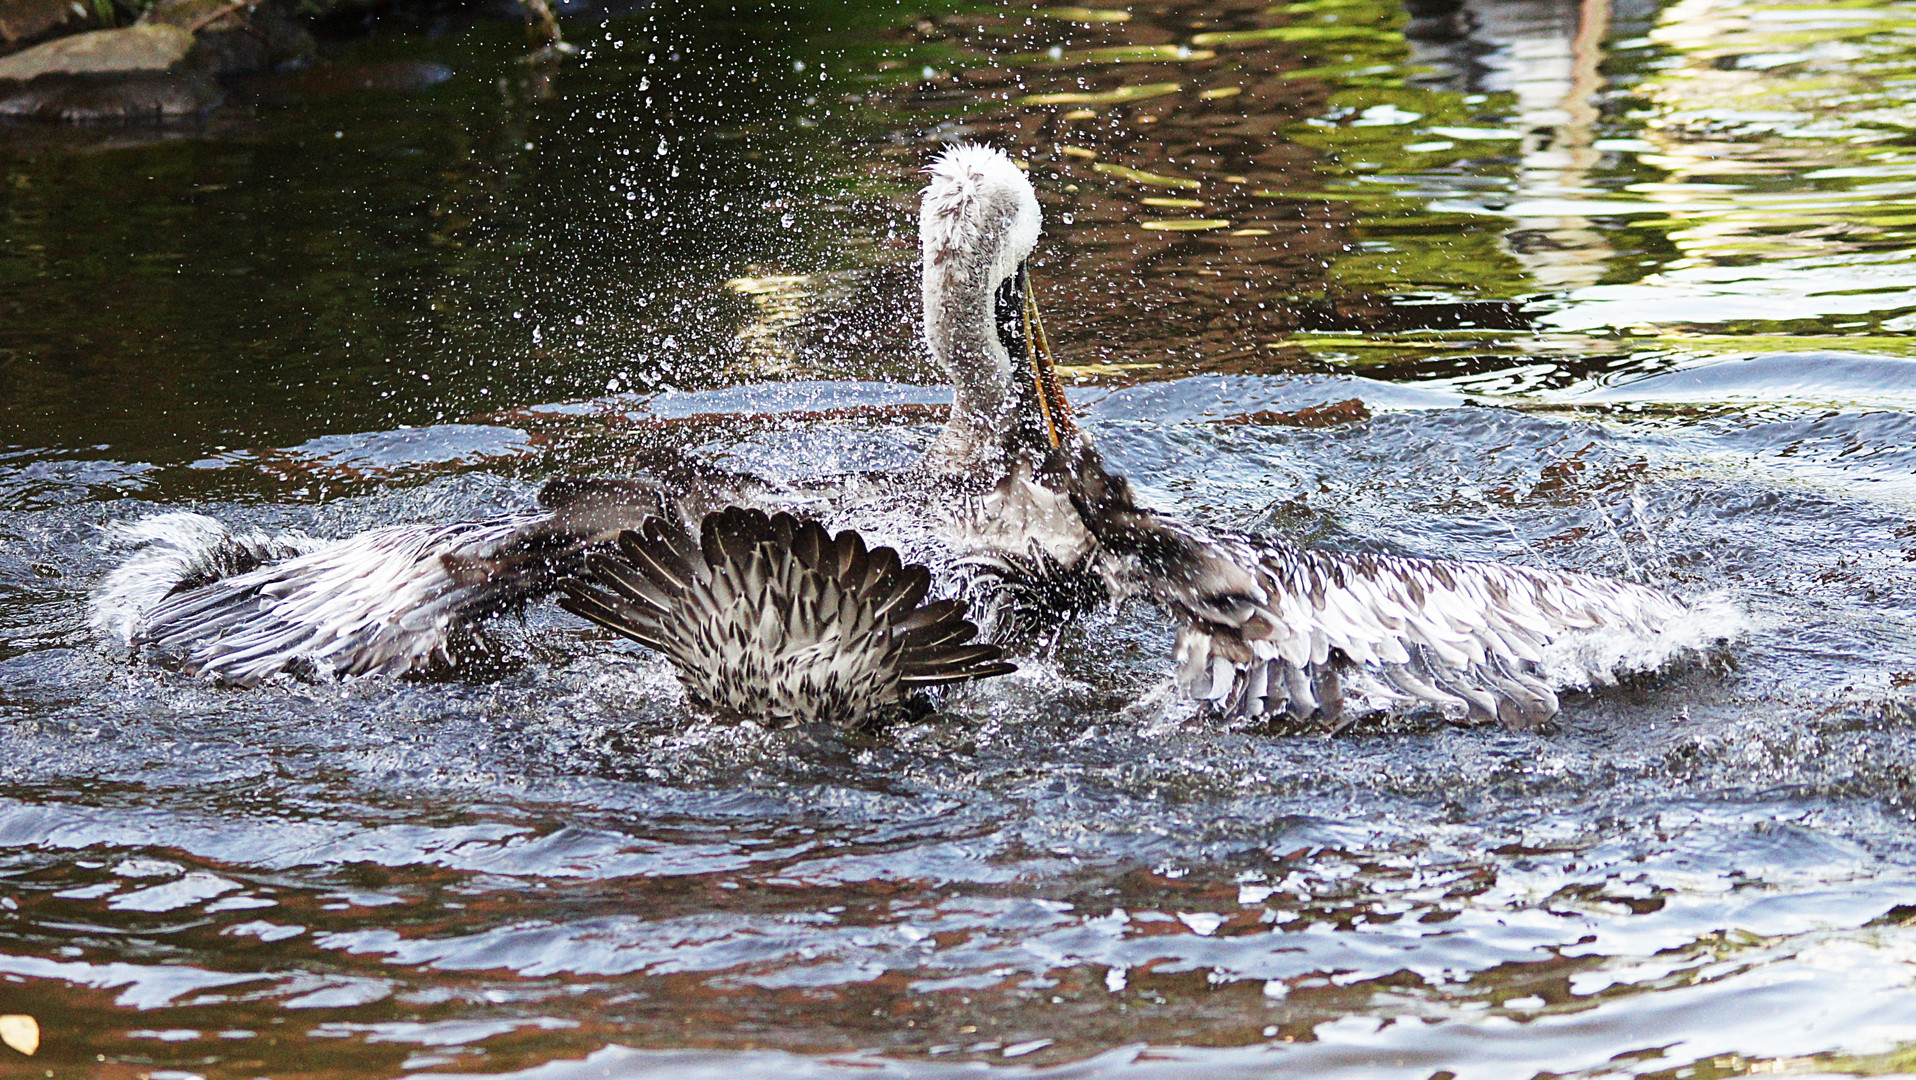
1622,288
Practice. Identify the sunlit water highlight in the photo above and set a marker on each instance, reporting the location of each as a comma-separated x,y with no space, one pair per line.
1620,288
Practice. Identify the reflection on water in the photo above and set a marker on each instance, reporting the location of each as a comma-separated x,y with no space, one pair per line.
1615,286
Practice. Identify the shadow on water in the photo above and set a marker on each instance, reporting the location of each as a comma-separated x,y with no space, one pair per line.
1618,287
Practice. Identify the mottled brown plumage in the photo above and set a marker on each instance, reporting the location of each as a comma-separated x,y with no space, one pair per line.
774,618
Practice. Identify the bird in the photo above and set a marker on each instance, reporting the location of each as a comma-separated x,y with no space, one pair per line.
1011,503
407,599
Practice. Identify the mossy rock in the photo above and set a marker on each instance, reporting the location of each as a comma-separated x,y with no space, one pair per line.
130,75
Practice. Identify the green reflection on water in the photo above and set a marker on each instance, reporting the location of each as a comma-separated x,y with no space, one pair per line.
326,259
421,229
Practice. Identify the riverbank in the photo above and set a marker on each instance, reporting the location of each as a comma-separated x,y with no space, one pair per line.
145,62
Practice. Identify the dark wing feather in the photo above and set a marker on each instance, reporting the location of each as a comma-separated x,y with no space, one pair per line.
672,548
848,558
953,658
924,641
626,579
658,559
589,603
778,619
941,622
881,574
908,588
810,543
936,613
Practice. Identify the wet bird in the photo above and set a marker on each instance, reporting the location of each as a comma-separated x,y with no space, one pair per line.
1012,500
409,598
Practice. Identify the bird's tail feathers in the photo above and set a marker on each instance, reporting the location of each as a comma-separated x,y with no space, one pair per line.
176,552
775,617
388,601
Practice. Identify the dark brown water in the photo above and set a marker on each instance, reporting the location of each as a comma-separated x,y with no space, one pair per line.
1622,287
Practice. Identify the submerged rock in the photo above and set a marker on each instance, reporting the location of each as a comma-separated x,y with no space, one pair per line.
138,73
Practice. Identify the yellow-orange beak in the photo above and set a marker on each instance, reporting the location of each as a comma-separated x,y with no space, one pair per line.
1051,402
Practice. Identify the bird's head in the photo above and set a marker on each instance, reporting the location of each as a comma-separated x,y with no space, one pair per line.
977,225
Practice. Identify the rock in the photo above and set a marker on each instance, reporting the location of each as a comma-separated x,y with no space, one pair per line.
238,39
138,73
23,22
102,52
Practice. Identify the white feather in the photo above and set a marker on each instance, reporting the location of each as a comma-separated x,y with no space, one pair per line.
174,548
381,602
1496,637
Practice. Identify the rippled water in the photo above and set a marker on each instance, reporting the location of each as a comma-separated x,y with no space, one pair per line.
1621,287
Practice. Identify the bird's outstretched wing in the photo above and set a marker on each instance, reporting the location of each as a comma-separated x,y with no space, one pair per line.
1268,629
774,617
175,552
388,601
241,608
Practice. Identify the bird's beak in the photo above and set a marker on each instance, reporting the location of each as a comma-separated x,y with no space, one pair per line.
1051,402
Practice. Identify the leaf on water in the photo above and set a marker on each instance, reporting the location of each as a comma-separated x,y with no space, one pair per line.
1104,97
1133,54
1139,176
1085,15
1296,33
1175,204
20,1032
1187,225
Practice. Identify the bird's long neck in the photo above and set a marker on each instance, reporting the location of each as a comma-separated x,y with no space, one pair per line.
961,330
